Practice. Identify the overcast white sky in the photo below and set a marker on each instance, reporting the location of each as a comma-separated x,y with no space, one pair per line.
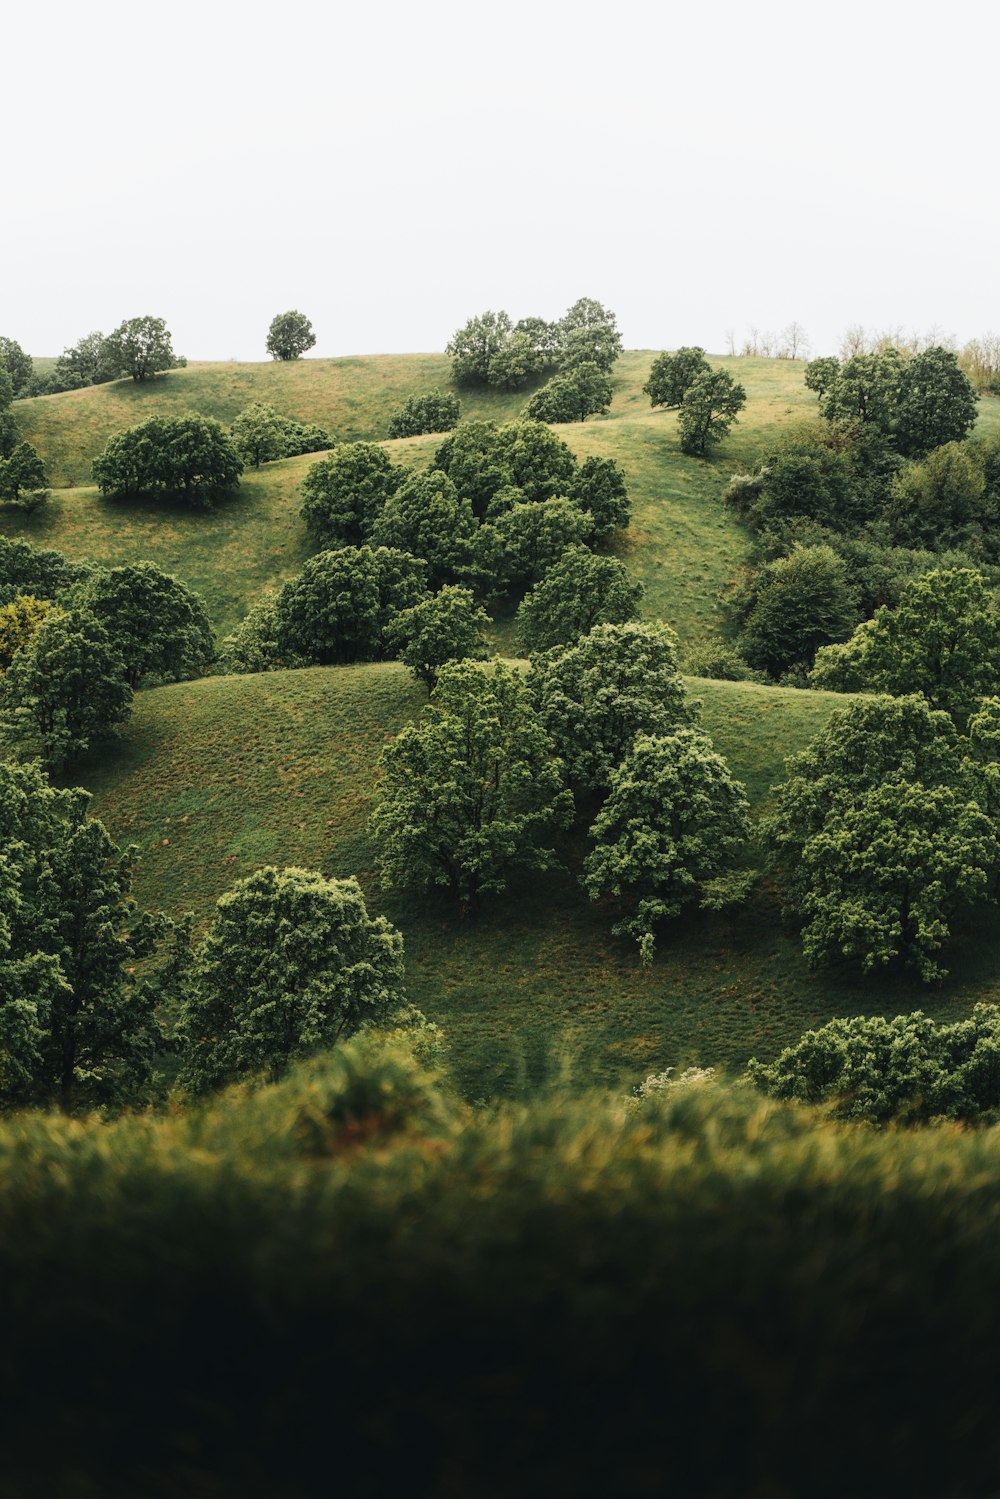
391,169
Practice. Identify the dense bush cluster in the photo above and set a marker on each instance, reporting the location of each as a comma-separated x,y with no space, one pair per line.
493,350
434,412
188,457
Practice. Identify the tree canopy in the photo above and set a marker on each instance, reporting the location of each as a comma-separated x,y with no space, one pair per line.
139,347
341,604
579,592
672,375
343,495
289,336
711,404
158,624
187,457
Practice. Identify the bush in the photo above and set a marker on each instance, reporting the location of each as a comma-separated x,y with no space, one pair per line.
187,457
573,396
435,412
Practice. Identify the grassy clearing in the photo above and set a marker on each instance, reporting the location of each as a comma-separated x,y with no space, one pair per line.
215,778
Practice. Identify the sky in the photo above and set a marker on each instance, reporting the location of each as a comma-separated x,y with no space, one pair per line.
392,169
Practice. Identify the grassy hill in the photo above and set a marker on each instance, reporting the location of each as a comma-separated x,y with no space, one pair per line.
214,778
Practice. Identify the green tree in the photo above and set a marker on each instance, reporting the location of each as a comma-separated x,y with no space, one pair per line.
473,459
291,964
44,573
434,412
468,796
514,362
672,375
588,334
674,820
944,500
427,518
158,624
597,696
75,1022
938,406
867,391
20,621
342,602
943,640
90,361
579,592
140,347
799,603
710,406
10,434
448,626
571,397
600,490
544,338
474,346
821,374
343,495
535,460
17,363
524,542
187,457
259,434
66,690
289,336
21,475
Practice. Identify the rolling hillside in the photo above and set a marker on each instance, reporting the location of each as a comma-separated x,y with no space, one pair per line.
214,778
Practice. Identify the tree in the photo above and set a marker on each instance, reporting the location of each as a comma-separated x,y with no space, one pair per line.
21,475
160,627
799,603
514,362
10,435
467,796
473,347
66,690
795,340
90,361
820,375
534,459
44,573
427,518
188,457
474,461
526,541
448,626
938,405
579,592
140,347
544,338
710,406
20,621
600,490
672,375
17,363
434,412
343,495
571,397
259,434
75,1021
291,964
341,604
588,334
674,820
944,500
304,437
943,640
597,696
289,336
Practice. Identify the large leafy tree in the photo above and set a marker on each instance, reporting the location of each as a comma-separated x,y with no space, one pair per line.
44,573
942,640
140,347
291,964
711,404
66,690
939,403
945,500
535,460
600,490
437,411
427,517
597,696
158,624
469,796
20,621
289,336
76,1025
343,495
258,434
448,626
588,334
187,457
796,605
474,346
341,604
90,361
16,362
21,475
524,542
675,820
10,434
579,592
572,396
672,375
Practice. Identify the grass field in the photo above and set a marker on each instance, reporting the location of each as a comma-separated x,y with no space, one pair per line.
217,777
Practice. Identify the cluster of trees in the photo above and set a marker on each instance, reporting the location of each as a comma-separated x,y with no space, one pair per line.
493,350
260,434
189,457
22,473
76,643
708,400
435,412
140,347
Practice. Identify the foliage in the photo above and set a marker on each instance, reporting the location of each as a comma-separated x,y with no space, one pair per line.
483,459
474,346
672,375
710,406
74,1021
579,592
721,662
434,412
908,1069
820,374
943,640
20,621
797,604
525,542
427,517
139,347
467,795
66,690
289,336
674,819
253,646
917,404
17,363
341,604
190,457
448,626
258,434
90,361
600,490
22,477
514,362
159,626
343,495
944,500
44,573
588,334
595,697
291,963
572,396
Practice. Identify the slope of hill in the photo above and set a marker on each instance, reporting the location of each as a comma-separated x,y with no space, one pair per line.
214,778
